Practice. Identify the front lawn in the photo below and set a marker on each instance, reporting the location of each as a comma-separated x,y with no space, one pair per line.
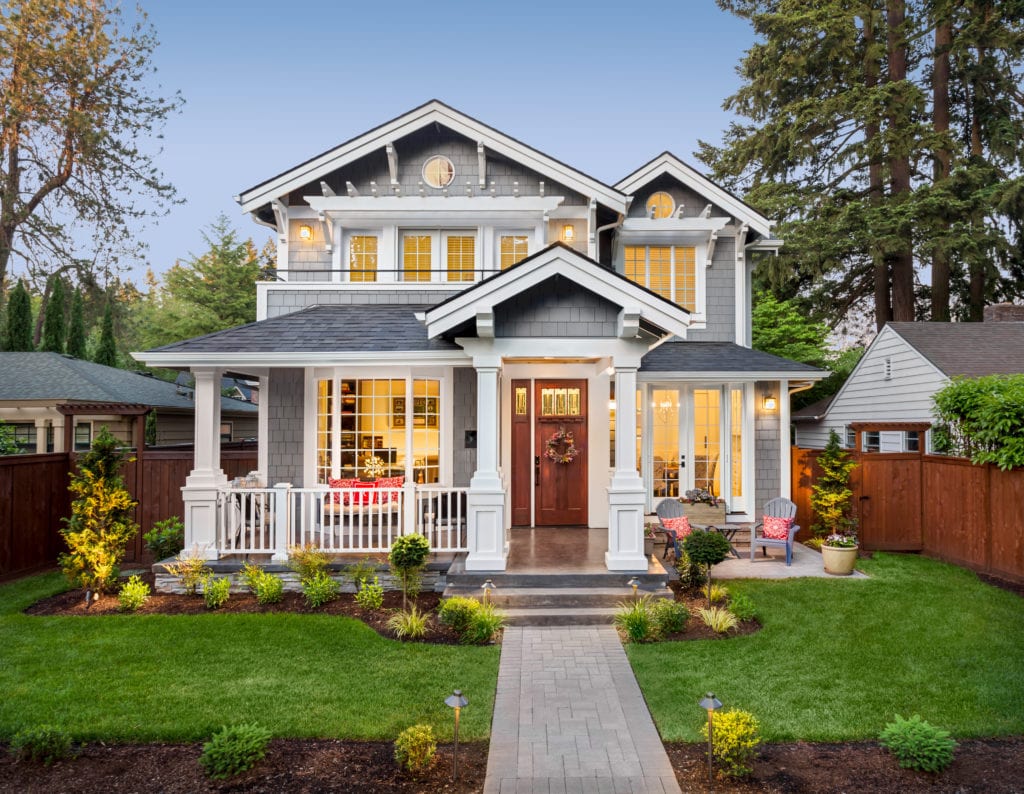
837,659
179,678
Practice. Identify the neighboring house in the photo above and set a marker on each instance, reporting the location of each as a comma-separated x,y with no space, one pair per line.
451,305
54,402
239,388
900,371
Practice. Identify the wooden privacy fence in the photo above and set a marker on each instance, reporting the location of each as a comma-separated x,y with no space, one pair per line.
945,507
34,497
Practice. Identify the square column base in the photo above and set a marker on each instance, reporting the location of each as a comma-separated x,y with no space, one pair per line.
626,530
201,515
488,543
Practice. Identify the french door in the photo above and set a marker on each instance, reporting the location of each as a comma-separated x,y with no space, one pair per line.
697,436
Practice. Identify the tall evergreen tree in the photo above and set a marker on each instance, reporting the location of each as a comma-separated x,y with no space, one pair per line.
19,320
106,353
76,327
54,324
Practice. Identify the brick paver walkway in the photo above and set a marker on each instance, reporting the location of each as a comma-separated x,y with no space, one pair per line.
569,717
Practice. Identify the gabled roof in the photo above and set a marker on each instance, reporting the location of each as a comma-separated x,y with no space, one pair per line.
561,260
432,112
970,349
668,163
725,357
54,377
813,412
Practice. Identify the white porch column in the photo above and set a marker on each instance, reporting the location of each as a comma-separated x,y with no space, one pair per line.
488,547
201,486
626,493
41,425
785,451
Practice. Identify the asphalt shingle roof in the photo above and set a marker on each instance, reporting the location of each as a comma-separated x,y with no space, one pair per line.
971,349
51,376
323,329
717,356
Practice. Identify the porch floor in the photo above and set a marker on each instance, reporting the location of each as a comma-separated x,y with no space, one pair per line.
564,550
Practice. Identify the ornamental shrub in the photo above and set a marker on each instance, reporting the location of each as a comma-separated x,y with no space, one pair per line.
719,593
415,748
457,611
307,561
216,592
742,606
706,548
191,570
634,620
736,738
831,497
407,558
982,419
233,750
409,624
718,619
370,595
918,744
166,538
359,572
134,593
267,588
483,624
691,575
319,589
668,616
101,518
43,744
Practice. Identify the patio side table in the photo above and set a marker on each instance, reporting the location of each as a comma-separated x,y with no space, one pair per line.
726,530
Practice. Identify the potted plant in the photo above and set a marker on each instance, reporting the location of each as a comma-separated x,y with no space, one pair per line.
831,500
648,539
703,507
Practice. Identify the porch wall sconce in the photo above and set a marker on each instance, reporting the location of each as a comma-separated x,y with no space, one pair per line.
305,232
770,403
568,233
710,704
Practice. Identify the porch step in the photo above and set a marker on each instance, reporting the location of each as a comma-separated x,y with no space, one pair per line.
585,616
574,598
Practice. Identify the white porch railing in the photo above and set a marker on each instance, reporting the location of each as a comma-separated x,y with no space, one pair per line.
339,520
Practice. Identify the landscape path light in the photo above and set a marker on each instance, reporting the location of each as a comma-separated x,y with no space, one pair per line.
710,704
634,583
456,702
487,586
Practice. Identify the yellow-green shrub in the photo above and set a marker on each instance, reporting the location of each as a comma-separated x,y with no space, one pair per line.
735,741
415,748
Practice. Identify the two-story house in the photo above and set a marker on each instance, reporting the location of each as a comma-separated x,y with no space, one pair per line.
467,335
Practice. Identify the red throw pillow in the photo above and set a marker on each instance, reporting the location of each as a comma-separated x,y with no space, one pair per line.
333,483
776,528
389,483
680,525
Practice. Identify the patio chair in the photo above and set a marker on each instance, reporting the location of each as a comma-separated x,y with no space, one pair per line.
669,508
779,507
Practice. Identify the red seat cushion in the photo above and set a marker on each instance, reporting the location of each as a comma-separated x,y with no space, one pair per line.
680,525
776,528
333,483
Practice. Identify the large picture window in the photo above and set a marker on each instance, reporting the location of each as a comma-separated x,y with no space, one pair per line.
669,270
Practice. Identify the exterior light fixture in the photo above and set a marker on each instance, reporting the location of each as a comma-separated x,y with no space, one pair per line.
611,404
635,584
710,704
457,702
305,232
568,233
770,403
487,586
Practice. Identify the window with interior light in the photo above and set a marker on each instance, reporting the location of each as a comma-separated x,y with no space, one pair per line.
512,249
438,171
439,255
362,257
660,205
669,270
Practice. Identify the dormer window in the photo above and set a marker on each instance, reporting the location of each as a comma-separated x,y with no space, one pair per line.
438,171
660,205
669,270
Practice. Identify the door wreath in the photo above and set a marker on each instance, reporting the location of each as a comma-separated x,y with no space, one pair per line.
561,447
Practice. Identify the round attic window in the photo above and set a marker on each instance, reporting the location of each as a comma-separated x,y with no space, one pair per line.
438,171
660,205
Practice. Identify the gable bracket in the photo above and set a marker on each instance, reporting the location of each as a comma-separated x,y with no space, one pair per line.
350,189
711,247
328,230
485,324
327,190
628,323
481,163
392,162
281,217
741,237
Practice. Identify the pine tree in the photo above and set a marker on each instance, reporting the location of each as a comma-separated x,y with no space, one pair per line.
76,328
831,497
19,320
54,323
106,353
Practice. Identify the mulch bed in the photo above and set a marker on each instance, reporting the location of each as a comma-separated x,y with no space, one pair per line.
695,628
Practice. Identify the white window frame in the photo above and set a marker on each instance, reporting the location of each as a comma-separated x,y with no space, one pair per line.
346,253
699,312
499,233
439,252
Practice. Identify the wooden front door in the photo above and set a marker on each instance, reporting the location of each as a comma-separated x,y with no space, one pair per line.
560,488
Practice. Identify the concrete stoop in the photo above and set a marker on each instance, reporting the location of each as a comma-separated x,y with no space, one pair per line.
558,598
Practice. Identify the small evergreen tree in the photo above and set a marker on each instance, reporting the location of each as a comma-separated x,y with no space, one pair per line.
707,548
101,518
19,320
831,497
407,558
53,321
76,328
106,353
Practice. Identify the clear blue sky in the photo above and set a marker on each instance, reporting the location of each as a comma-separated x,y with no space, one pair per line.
601,86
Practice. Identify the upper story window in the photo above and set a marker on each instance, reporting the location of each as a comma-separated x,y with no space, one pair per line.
671,271
450,254
362,257
512,248
438,171
660,205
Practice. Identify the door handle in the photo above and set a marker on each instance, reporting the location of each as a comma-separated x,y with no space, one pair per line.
536,471
682,461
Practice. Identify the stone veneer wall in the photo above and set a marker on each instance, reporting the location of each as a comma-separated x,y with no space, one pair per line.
434,577
767,438
285,399
464,413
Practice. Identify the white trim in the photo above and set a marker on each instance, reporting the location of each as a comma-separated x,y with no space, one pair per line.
785,449
430,113
736,376
667,163
230,360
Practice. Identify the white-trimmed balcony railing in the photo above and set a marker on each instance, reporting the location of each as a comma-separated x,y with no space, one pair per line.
338,520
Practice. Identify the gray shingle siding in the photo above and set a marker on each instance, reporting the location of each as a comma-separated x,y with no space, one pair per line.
464,418
692,202
281,302
556,308
767,449
285,399
720,288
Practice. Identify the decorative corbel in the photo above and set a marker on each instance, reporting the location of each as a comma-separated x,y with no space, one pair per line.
328,230
351,190
711,247
706,212
392,162
328,191
627,325
485,324
281,219
741,240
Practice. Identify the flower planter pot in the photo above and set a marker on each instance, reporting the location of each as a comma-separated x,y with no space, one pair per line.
705,514
648,546
839,561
